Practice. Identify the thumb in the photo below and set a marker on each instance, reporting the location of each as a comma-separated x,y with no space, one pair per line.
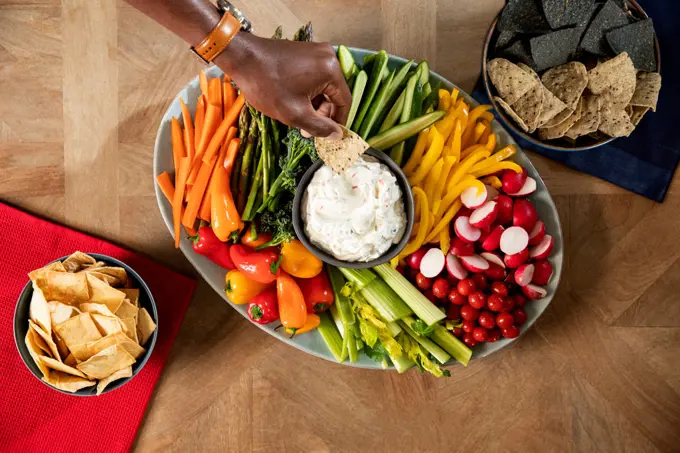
316,124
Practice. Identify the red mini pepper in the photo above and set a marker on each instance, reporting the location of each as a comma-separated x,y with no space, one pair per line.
264,307
317,292
207,244
261,266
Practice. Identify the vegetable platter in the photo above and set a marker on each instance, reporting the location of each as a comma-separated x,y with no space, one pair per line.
313,342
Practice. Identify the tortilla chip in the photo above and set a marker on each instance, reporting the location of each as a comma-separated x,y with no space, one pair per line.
620,92
103,293
67,382
106,362
648,85
78,330
131,328
109,280
551,103
119,338
54,351
510,80
107,325
120,374
609,17
530,106
145,326
70,360
567,82
61,346
637,39
117,274
61,312
590,118
636,114
550,133
606,73
66,287
35,352
132,295
340,155
508,109
38,275
77,261
59,366
555,48
559,118
40,342
82,351
39,311
615,123
127,310
89,307
94,266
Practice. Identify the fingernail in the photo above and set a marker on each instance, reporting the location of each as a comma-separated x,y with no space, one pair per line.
337,135
304,133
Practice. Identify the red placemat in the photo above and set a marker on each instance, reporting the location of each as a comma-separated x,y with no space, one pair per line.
35,418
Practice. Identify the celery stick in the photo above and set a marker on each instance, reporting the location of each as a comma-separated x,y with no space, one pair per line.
335,314
422,307
437,352
332,337
341,302
394,328
403,363
359,277
452,345
388,304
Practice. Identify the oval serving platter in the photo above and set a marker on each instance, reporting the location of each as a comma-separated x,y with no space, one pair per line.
312,343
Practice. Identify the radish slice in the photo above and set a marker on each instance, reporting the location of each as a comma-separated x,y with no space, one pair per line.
493,240
474,263
454,268
432,263
524,214
465,231
513,181
495,272
505,205
537,233
528,188
514,240
516,260
491,192
543,249
542,273
484,215
461,248
524,274
493,259
534,292
471,199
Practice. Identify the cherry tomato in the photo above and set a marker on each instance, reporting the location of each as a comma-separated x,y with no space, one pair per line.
423,282
453,281
487,320
511,332
414,259
469,340
468,313
499,288
468,326
504,320
494,335
440,288
453,312
411,274
520,316
430,296
466,286
457,298
477,300
520,300
508,303
495,303
480,281
458,332
480,334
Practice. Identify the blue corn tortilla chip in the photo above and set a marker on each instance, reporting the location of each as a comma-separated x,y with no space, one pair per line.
638,41
523,16
505,38
565,13
608,18
519,52
556,48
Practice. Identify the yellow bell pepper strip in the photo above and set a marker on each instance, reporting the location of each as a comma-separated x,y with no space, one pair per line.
445,240
445,125
471,149
298,261
454,96
441,182
486,116
240,289
495,158
430,158
491,143
453,193
479,131
419,240
462,112
485,135
455,139
472,119
505,165
432,179
444,100
417,153
466,164
444,222
312,323
492,181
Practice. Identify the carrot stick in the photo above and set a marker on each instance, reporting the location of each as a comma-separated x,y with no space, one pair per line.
231,133
232,150
177,143
165,183
204,210
212,121
188,130
206,206
177,205
198,121
229,120
215,95
197,193
228,95
203,83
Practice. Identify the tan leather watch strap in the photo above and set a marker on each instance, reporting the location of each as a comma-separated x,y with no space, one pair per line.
218,39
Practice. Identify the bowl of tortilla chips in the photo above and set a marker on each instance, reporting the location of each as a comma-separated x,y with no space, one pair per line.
572,76
85,324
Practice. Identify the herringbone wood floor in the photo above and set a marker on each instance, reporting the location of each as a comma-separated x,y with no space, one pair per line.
83,85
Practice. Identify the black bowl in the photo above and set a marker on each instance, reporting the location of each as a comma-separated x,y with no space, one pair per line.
21,328
393,251
587,143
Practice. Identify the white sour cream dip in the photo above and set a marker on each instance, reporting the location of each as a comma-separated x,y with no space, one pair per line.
357,215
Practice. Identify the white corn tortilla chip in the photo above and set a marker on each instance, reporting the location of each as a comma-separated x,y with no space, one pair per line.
590,118
59,366
145,326
66,287
85,351
552,105
127,310
39,311
132,294
61,312
621,91
508,109
46,338
510,80
567,82
615,123
120,374
77,330
67,382
648,85
77,261
107,325
341,154
131,328
35,352
89,307
637,113
550,133
607,73
106,362
101,293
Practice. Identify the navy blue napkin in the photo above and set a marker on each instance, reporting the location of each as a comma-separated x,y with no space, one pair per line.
645,161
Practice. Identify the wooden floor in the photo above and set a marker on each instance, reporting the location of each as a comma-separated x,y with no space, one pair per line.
83,85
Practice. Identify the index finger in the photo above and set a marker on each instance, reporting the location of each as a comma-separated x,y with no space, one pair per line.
339,95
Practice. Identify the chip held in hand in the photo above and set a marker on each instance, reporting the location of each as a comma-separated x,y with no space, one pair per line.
341,154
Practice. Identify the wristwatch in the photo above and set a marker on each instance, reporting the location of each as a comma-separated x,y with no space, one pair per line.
218,39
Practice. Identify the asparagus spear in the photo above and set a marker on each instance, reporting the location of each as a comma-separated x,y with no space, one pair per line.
243,121
266,155
247,163
251,209
304,33
278,33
